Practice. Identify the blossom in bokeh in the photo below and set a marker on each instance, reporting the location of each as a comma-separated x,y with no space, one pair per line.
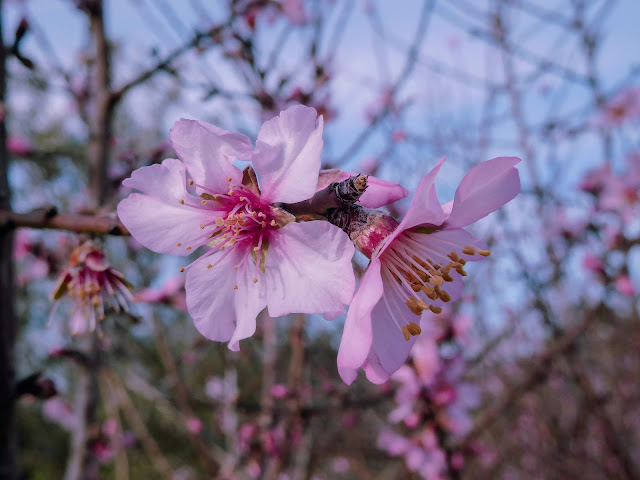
416,266
258,257
93,285
171,292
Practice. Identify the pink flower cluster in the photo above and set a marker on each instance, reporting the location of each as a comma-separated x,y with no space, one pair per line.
257,255
432,404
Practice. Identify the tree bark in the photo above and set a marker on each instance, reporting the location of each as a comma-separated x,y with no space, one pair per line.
8,323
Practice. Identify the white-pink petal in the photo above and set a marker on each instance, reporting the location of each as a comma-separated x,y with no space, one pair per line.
357,334
425,208
160,226
209,152
484,189
287,156
308,269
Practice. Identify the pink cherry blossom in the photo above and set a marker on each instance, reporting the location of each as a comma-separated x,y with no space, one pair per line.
417,265
257,255
94,287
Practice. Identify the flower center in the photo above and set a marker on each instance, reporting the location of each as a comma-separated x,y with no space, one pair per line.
238,217
419,270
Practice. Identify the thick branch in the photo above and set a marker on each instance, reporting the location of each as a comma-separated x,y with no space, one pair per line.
49,218
335,195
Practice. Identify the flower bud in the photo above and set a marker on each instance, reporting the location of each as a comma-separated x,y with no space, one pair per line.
370,228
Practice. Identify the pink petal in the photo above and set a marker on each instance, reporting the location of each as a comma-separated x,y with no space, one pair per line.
425,208
156,218
484,189
160,226
308,269
388,341
357,334
373,369
209,152
287,155
221,312
378,194
164,181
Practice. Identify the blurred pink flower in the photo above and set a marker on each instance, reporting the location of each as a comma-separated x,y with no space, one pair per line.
171,293
410,263
194,425
261,257
93,285
622,107
59,411
624,286
20,147
593,263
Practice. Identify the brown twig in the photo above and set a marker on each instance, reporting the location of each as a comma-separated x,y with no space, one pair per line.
48,218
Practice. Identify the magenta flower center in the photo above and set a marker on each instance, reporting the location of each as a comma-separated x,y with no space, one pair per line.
239,218
418,271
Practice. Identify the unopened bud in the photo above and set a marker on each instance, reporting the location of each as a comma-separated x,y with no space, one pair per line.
370,228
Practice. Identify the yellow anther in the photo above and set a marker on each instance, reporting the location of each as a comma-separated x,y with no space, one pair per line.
255,279
209,267
406,333
416,287
203,202
181,269
462,261
243,199
178,244
273,223
219,222
469,250
435,309
263,223
261,215
229,179
235,287
188,248
436,280
201,226
235,267
461,271
414,328
484,253
181,202
453,256
190,181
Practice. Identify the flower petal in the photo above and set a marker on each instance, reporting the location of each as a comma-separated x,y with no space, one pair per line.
425,208
156,218
164,181
378,193
209,152
483,190
388,340
373,369
220,311
287,155
308,269
357,334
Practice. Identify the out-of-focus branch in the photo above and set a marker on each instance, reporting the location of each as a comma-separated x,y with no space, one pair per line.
182,398
535,374
150,446
49,218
